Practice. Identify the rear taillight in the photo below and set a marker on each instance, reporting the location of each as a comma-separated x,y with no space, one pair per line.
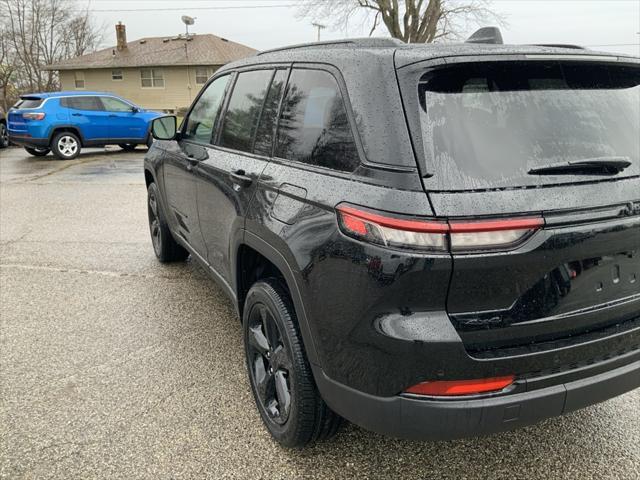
33,115
490,234
436,235
390,231
461,387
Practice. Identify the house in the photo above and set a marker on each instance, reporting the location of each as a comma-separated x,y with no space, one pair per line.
159,73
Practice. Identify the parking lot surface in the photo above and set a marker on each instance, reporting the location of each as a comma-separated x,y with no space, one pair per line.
115,366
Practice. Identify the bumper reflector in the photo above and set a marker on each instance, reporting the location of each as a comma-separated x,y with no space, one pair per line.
461,387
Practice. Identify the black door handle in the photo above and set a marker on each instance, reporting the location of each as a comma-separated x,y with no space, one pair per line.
76,114
239,177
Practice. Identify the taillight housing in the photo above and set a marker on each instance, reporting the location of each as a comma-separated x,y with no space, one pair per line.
434,234
33,115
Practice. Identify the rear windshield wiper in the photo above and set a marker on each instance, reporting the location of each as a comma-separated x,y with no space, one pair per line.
587,166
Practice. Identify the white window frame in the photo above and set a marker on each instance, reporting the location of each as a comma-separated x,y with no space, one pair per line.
156,77
78,77
117,77
207,74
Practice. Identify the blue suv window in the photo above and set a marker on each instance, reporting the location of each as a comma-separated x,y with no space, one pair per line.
82,103
112,104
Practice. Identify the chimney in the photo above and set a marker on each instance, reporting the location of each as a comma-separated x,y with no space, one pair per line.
121,36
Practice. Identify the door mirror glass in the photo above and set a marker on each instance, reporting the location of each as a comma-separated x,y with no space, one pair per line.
164,128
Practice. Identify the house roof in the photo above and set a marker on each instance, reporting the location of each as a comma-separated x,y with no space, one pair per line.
204,49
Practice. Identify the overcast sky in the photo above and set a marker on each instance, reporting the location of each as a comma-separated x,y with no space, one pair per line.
611,25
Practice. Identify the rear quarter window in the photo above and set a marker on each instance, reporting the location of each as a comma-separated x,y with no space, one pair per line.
28,103
313,127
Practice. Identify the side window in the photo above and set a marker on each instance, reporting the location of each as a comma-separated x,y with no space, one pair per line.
112,104
264,134
243,112
82,103
199,125
313,126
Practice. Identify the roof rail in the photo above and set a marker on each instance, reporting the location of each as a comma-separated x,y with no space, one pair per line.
356,42
560,45
489,35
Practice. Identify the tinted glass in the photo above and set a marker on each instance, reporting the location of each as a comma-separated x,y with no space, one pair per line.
264,135
489,124
313,124
243,112
115,105
28,103
199,125
82,103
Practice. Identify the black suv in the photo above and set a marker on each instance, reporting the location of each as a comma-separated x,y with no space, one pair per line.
429,241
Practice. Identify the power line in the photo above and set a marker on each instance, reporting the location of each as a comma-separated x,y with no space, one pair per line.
181,9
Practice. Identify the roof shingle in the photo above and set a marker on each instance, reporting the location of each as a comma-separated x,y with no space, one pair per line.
206,49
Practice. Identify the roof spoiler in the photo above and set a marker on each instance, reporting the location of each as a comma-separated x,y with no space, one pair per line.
490,35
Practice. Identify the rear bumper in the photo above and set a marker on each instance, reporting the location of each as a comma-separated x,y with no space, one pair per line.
428,419
27,141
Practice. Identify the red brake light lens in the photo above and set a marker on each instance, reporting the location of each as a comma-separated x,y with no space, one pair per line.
435,235
33,115
461,387
390,231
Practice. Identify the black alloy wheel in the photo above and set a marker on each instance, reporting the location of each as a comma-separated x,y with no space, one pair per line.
154,222
281,379
164,245
4,136
269,364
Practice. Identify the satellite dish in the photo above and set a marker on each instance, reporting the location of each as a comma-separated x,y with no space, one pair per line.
188,20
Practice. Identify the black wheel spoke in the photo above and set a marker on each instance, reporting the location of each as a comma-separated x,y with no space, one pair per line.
258,340
282,393
263,378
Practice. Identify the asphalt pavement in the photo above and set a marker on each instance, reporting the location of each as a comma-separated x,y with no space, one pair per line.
115,366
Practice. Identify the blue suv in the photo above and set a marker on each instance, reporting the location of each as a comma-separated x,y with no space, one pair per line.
64,122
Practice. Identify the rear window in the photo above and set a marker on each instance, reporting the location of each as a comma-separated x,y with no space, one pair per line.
28,102
488,124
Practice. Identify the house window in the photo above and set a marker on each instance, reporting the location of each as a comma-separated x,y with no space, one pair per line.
151,78
116,74
202,75
78,78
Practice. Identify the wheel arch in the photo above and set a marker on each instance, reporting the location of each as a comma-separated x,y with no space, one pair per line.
271,264
66,128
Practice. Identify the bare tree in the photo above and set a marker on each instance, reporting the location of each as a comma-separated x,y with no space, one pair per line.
412,21
42,32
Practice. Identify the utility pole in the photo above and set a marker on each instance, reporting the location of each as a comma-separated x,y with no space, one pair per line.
319,27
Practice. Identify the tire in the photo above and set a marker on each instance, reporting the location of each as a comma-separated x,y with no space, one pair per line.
66,145
164,245
279,373
37,152
127,147
4,136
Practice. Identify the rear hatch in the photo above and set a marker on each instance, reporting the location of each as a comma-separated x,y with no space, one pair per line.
548,140
16,122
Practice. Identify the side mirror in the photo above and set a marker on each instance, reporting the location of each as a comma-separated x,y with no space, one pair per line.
164,128
135,109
